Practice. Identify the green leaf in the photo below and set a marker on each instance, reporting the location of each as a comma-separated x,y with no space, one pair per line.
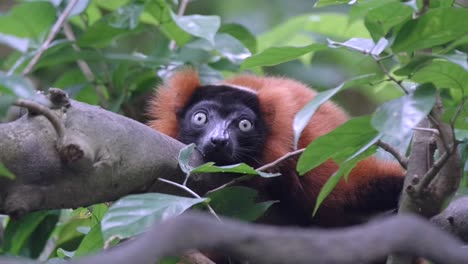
17,85
111,5
366,46
238,202
362,8
20,44
343,171
169,26
277,55
398,117
225,44
462,115
25,235
443,74
79,8
65,254
70,234
317,26
379,21
242,34
133,214
200,26
302,118
98,211
31,19
436,27
339,145
4,172
91,243
240,168
231,48
126,17
322,3
459,58
184,157
413,65
102,33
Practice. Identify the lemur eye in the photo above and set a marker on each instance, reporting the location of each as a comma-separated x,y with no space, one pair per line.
245,125
199,118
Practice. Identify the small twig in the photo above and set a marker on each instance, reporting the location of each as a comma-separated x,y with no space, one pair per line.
395,153
53,32
180,12
233,182
194,194
37,108
424,8
262,168
84,67
378,60
432,172
281,159
432,130
460,108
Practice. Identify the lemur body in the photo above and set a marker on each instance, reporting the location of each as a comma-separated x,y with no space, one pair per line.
269,105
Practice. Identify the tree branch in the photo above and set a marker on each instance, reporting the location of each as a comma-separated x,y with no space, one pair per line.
400,158
53,32
404,234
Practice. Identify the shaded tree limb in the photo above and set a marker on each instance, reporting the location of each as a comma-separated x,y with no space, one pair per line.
404,234
101,157
430,182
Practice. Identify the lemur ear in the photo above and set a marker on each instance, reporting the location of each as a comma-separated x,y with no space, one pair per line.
170,98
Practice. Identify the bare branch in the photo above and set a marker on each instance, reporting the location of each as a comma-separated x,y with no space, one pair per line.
281,159
53,32
84,67
457,113
180,12
388,74
390,149
404,234
194,194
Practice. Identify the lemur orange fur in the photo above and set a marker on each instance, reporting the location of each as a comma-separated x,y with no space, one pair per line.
280,100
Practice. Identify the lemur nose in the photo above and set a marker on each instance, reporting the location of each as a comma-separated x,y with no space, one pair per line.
219,141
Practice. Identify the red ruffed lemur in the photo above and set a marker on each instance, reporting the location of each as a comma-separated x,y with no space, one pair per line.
249,119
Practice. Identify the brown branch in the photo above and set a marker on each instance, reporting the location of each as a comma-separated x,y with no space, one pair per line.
180,12
404,234
53,32
395,153
457,113
275,163
388,74
104,164
84,67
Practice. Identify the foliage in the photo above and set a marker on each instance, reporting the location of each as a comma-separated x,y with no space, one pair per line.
400,54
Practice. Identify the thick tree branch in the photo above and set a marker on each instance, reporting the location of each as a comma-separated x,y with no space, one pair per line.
404,234
102,157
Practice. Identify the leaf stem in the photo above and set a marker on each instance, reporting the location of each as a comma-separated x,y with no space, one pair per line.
194,194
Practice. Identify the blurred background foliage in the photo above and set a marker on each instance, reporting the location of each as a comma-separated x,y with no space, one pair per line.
125,48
